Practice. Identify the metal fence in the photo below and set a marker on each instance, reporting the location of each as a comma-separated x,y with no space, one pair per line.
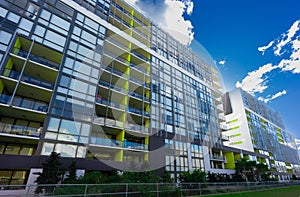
139,189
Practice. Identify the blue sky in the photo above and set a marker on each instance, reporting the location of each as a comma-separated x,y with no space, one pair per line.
232,32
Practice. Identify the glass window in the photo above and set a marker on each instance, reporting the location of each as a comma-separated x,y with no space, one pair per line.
47,148
66,150
68,126
53,124
13,17
26,150
50,135
12,150
4,37
56,38
81,152
26,24
85,130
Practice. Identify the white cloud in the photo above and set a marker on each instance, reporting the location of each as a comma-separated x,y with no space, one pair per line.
272,97
264,48
256,80
222,62
286,38
168,14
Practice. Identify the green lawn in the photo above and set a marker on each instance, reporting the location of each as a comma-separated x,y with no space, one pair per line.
293,191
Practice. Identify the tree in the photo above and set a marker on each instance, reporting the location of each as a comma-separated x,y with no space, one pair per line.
195,176
252,171
51,174
71,177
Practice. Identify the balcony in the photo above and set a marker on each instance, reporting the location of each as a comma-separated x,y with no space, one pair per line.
30,104
137,111
224,137
20,130
138,68
28,79
111,86
133,145
139,82
139,96
118,144
124,47
24,103
35,58
216,157
115,57
110,103
135,127
139,56
5,99
110,69
106,142
108,122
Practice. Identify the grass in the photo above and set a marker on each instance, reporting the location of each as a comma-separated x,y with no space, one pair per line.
293,191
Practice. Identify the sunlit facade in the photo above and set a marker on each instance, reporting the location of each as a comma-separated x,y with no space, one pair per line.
254,127
101,84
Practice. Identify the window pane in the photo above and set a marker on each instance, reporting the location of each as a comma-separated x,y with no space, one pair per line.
70,127
53,124
66,150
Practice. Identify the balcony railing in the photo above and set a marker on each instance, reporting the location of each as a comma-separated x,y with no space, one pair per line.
109,103
28,79
117,143
139,96
5,99
134,145
35,58
135,127
19,130
138,68
30,104
108,122
24,103
116,43
111,86
139,56
137,111
113,56
216,157
106,142
110,69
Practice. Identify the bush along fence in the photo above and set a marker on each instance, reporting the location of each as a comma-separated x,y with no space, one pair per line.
140,189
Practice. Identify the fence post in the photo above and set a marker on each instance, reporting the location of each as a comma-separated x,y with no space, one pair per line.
126,189
85,190
157,190
200,188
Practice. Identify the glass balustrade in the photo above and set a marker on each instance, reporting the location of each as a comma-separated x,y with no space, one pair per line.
28,79
35,58
20,130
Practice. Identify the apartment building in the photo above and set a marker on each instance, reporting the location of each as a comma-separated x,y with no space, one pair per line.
253,127
98,82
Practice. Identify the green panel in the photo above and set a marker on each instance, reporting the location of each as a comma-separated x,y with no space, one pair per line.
235,135
9,64
119,156
234,128
1,86
237,156
18,43
234,120
230,161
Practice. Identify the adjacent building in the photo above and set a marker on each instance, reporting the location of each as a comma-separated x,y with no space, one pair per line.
252,126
